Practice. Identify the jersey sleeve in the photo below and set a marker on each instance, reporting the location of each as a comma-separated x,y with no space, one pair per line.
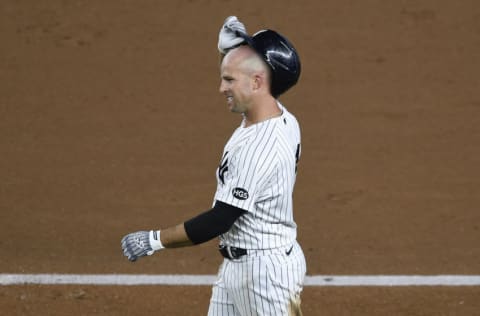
247,172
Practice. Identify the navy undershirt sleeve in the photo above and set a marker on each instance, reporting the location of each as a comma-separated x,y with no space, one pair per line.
212,223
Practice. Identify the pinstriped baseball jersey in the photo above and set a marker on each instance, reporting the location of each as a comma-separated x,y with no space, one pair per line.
257,173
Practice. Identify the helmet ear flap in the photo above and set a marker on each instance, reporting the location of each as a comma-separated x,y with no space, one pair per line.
280,56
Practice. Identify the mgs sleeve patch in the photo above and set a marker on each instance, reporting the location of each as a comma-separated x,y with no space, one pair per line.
240,193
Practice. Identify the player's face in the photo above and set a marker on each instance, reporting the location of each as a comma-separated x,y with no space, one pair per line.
236,86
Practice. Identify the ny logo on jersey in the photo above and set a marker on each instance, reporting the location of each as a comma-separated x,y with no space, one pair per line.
297,156
223,167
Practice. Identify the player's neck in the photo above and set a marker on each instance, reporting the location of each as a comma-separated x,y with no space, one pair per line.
263,111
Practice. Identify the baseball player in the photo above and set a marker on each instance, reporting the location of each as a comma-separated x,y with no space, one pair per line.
252,214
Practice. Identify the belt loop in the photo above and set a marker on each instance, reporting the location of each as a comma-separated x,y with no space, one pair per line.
229,251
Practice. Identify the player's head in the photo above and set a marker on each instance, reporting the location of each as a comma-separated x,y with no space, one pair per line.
245,78
280,56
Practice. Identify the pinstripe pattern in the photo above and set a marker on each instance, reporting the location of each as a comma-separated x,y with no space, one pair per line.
261,160
264,283
257,173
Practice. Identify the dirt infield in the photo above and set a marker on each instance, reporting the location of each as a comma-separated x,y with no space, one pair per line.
145,300
111,121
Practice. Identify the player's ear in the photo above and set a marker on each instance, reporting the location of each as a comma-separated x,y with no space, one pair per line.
258,81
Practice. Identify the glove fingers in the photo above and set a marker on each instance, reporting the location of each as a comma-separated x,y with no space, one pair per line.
236,28
230,34
136,245
127,250
235,25
230,19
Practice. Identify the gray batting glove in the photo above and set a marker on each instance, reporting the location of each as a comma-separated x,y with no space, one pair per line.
140,244
227,38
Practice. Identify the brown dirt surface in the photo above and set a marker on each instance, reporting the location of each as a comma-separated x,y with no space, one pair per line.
111,121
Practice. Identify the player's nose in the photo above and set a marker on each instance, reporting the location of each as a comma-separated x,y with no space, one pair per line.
221,89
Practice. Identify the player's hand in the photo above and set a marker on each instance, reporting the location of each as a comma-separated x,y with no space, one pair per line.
228,38
140,244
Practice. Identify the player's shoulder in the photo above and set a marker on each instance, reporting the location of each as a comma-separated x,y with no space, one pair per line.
288,125
289,118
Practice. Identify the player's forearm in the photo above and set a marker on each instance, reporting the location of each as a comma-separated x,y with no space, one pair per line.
175,237
202,227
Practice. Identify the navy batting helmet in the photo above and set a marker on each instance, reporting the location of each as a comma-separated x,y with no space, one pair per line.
280,56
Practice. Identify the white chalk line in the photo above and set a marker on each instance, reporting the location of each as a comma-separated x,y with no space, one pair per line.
188,279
